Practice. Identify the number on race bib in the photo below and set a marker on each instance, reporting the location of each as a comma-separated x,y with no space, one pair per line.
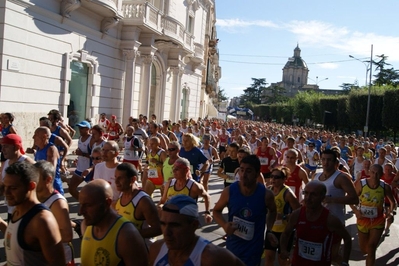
152,173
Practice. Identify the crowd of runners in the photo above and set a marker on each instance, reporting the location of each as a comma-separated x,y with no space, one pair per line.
286,189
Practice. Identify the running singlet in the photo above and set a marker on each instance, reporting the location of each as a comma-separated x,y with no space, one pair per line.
154,171
265,159
172,191
249,214
17,251
130,153
294,182
102,251
194,258
83,162
279,225
314,241
128,210
371,204
113,132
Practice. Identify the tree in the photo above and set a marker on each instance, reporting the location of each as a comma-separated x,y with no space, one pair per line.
254,92
385,76
222,95
275,95
347,87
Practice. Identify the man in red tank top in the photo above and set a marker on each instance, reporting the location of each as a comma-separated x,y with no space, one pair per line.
314,226
298,174
267,157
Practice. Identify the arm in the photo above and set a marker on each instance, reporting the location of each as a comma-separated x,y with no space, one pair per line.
221,173
147,211
199,190
13,130
154,251
52,155
389,195
59,142
60,210
216,157
272,209
65,135
303,175
165,194
120,129
287,233
335,225
215,255
344,182
129,237
3,225
228,227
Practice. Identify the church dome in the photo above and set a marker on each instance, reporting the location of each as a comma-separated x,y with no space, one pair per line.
296,60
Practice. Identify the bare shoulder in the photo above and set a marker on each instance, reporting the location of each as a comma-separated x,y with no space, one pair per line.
215,255
154,251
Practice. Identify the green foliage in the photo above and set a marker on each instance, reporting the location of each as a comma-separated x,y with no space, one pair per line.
385,75
391,107
254,92
222,95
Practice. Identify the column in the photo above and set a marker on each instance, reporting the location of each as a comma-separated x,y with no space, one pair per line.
145,84
130,64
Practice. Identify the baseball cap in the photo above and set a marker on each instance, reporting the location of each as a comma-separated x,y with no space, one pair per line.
84,124
113,116
13,139
182,204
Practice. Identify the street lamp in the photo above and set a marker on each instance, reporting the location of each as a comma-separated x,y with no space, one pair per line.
368,68
365,64
317,81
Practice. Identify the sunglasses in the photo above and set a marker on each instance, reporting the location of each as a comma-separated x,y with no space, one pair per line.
172,149
276,176
96,158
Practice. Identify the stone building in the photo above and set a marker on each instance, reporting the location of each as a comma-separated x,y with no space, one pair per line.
121,57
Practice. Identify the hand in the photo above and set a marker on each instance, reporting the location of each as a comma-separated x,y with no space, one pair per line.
229,228
284,255
30,150
272,239
78,152
208,218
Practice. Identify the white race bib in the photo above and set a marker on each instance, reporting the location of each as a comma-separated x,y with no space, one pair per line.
112,133
310,250
264,161
231,178
245,229
369,212
152,173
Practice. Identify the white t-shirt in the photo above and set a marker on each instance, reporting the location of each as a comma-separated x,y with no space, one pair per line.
101,171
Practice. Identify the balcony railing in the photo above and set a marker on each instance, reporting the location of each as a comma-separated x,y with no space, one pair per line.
142,13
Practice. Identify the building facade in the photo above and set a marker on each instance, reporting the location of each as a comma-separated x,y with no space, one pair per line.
85,57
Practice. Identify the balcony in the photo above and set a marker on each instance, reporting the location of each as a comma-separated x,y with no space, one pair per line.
142,14
104,8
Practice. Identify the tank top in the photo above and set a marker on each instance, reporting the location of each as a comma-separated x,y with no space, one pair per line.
249,213
223,139
364,175
94,250
48,203
128,210
344,153
367,154
113,132
357,166
265,159
310,156
17,251
167,170
371,202
279,224
95,145
57,131
172,191
194,258
83,162
335,208
179,136
314,241
253,146
130,153
42,155
6,130
154,171
10,209
295,182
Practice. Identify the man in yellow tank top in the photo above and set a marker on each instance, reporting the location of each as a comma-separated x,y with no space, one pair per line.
134,204
108,238
286,202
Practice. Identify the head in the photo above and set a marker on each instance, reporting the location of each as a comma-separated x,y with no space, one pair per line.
314,194
135,123
12,146
96,155
382,152
125,177
290,142
329,160
279,175
181,168
7,118
366,164
153,128
20,183
95,201
376,171
179,220
206,139
189,141
84,128
155,142
110,151
97,132
46,177
249,170
103,116
311,146
388,169
54,116
233,149
113,118
44,122
291,156
41,136
173,149
265,141
243,152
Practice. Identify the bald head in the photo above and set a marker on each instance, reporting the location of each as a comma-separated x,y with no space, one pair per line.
99,189
44,131
317,186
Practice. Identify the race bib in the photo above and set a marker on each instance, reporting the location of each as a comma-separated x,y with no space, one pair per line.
152,173
310,250
245,229
112,134
127,153
264,161
369,212
231,178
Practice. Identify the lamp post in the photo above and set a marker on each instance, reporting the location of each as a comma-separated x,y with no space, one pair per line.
365,64
317,81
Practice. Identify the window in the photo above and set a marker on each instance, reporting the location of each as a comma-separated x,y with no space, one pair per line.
190,24
299,79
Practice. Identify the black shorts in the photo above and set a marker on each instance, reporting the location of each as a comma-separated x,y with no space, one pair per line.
268,245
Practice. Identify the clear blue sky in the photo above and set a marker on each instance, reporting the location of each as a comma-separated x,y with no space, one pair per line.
256,37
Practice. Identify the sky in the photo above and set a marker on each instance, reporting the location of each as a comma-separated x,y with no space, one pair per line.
256,38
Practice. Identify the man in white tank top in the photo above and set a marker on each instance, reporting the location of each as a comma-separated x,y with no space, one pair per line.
181,246
340,191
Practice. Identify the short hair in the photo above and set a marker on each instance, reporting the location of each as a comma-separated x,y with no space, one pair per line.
245,150
99,129
166,122
293,151
252,160
46,121
55,114
25,171
176,144
332,152
266,138
45,169
135,120
113,145
10,116
96,149
183,161
156,139
234,145
129,169
284,170
380,170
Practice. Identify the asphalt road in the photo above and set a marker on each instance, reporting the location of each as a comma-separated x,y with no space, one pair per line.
387,252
